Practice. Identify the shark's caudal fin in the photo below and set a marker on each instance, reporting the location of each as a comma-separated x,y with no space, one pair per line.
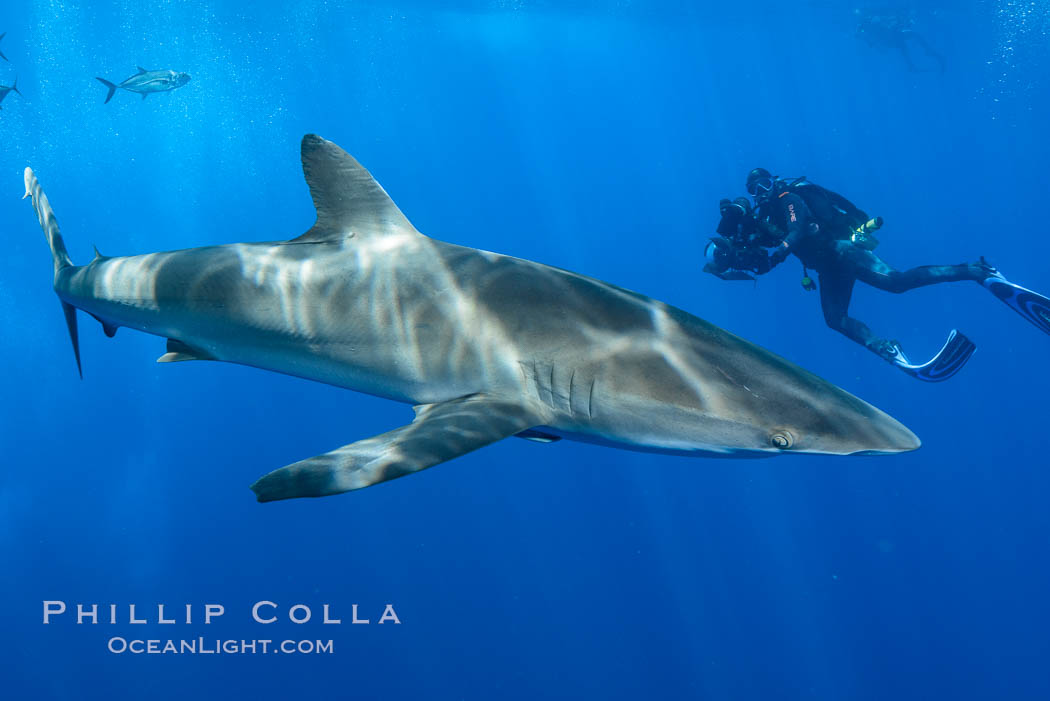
1,52
14,87
112,88
59,256
439,432
348,200
48,223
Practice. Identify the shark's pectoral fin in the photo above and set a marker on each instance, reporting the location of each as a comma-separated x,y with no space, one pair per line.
538,436
178,351
348,200
439,432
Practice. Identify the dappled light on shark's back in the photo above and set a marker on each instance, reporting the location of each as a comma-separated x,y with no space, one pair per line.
485,346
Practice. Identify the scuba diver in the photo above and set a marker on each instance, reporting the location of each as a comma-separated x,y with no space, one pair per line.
835,238
894,30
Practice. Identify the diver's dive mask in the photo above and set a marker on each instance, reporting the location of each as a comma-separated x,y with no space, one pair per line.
761,186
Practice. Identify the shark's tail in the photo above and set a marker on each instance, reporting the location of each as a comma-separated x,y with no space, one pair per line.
111,86
15,87
1,52
59,255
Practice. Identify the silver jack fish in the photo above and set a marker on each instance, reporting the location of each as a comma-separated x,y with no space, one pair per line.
145,82
485,346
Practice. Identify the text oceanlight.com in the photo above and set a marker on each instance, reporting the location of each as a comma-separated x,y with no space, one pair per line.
202,646
261,613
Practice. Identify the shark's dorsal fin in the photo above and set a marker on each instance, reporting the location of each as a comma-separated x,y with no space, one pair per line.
141,70
348,200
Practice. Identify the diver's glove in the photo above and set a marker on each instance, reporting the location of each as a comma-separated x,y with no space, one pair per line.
778,256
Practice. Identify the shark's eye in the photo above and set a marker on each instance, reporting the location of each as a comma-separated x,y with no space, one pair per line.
782,440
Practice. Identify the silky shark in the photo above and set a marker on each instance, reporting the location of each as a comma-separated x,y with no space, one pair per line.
485,346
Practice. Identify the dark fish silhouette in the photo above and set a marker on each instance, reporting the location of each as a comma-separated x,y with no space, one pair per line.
144,82
4,89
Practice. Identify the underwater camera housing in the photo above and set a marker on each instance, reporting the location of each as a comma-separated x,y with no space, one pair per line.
728,260
733,213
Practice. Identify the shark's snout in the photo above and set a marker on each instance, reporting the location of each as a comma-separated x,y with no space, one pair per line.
892,437
846,425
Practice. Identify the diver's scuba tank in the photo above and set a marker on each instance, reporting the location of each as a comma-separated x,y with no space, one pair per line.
863,236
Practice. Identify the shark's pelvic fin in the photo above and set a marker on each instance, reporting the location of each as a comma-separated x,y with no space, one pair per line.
178,351
348,200
439,432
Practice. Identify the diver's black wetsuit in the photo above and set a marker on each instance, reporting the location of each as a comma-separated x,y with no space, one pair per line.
840,263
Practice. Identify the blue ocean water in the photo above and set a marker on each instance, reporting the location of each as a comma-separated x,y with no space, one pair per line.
593,136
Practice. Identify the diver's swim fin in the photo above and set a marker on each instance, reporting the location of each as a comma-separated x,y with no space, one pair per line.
948,361
1031,305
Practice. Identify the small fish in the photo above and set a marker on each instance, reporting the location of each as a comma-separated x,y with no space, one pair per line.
1,52
144,82
4,89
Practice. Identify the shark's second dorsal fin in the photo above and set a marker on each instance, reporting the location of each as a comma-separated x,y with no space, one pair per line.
348,200
141,70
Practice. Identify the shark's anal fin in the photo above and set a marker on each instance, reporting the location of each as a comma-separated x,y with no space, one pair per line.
107,328
439,432
178,351
348,200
